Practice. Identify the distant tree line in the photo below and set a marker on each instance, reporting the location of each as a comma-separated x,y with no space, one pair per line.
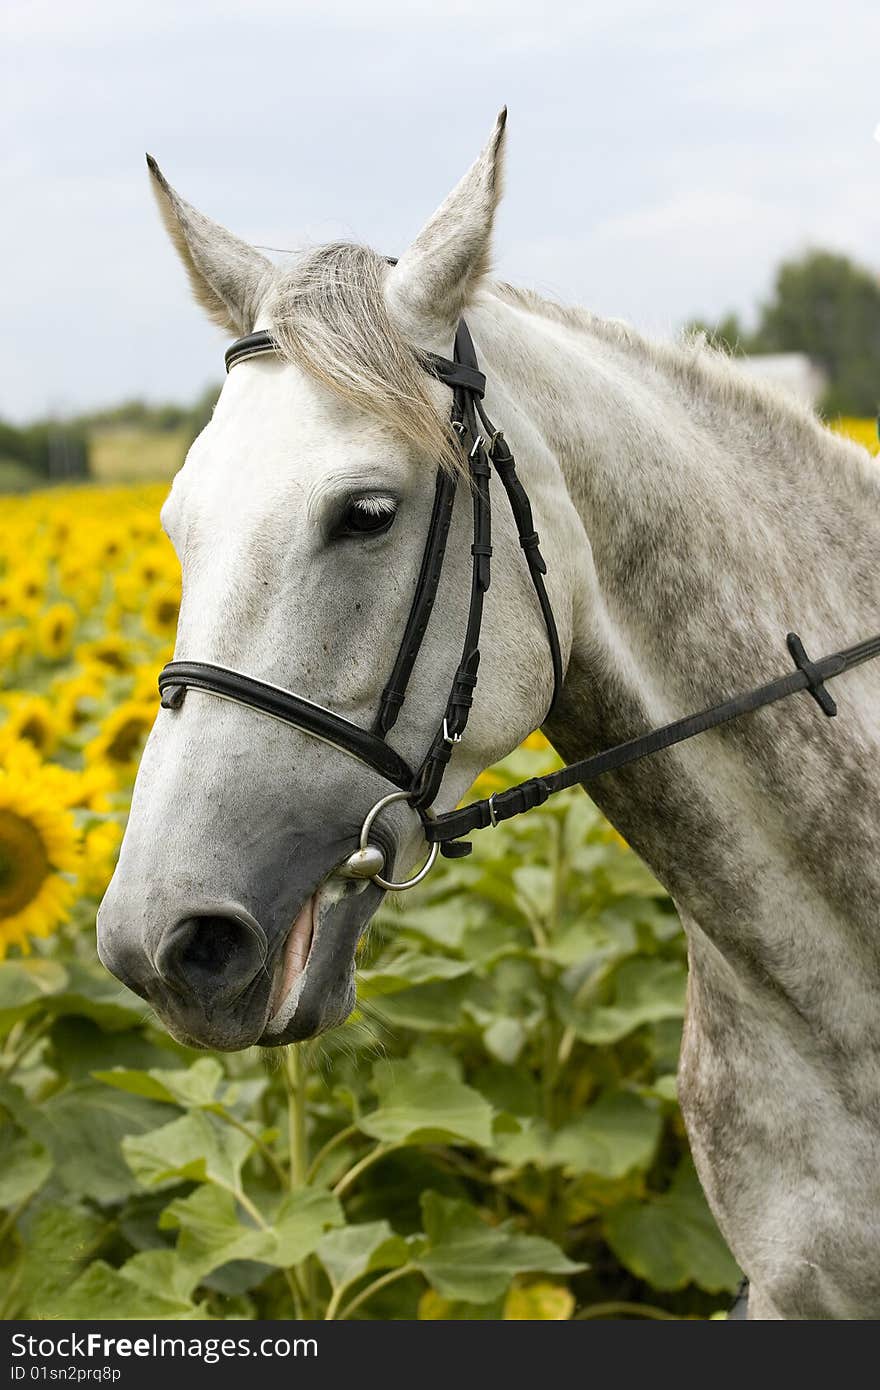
822,304
55,450
163,418
48,449
828,307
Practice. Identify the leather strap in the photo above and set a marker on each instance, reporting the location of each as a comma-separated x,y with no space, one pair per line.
179,676
461,696
252,345
422,605
503,805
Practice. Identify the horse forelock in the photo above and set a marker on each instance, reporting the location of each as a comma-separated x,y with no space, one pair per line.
328,313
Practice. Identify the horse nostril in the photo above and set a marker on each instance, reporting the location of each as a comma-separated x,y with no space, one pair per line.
213,956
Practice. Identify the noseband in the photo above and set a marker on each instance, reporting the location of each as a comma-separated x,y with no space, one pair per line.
484,448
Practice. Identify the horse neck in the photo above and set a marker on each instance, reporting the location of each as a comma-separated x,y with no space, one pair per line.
714,518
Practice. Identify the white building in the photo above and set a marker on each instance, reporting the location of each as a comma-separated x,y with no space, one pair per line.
794,372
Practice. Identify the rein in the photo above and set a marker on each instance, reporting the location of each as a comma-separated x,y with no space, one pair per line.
484,448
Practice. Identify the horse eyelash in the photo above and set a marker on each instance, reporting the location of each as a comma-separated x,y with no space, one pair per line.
375,506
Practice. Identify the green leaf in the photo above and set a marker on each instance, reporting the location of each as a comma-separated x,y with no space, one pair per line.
617,1134
299,1225
406,970
646,991
433,1307
505,1039
418,1106
671,1240
59,1242
79,1048
358,1250
190,1087
93,993
114,1294
24,1167
467,1259
212,1232
434,1008
442,924
83,1127
25,985
196,1146
539,1302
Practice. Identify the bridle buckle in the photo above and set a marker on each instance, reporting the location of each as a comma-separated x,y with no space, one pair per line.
448,738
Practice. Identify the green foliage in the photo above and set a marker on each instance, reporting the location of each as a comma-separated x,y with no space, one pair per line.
48,450
493,1134
829,308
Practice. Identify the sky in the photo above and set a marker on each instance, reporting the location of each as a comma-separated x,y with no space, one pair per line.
662,157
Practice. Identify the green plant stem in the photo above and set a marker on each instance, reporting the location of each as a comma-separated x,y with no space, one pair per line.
338,1138
457,1163
295,1068
9,1300
256,1216
296,1073
255,1139
250,1207
376,1285
29,1039
635,1310
13,1216
350,1177
566,1046
552,1030
296,1294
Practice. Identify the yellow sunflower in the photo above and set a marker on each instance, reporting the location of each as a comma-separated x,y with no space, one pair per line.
100,852
81,582
156,563
162,611
28,588
122,736
55,631
111,651
38,853
536,741
77,698
31,717
13,646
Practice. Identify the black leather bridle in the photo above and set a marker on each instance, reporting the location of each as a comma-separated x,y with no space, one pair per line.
484,448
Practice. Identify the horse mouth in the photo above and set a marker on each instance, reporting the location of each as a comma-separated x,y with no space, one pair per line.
294,958
320,937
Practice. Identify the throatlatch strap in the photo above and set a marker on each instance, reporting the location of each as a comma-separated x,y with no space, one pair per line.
809,676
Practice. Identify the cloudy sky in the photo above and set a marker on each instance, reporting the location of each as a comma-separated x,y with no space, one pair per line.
663,156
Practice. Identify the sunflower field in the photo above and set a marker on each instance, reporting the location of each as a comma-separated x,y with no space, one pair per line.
493,1134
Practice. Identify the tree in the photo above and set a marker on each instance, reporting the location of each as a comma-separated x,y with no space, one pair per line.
828,307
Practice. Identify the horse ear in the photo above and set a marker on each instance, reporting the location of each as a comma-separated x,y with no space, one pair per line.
432,282
228,277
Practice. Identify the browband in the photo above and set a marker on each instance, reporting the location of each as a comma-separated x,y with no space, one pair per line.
454,374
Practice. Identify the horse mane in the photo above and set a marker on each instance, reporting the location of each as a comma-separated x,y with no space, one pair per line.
328,313
709,370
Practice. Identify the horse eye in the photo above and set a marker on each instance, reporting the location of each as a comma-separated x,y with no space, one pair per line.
368,516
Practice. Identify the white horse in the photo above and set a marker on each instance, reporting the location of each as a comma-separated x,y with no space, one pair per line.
690,518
